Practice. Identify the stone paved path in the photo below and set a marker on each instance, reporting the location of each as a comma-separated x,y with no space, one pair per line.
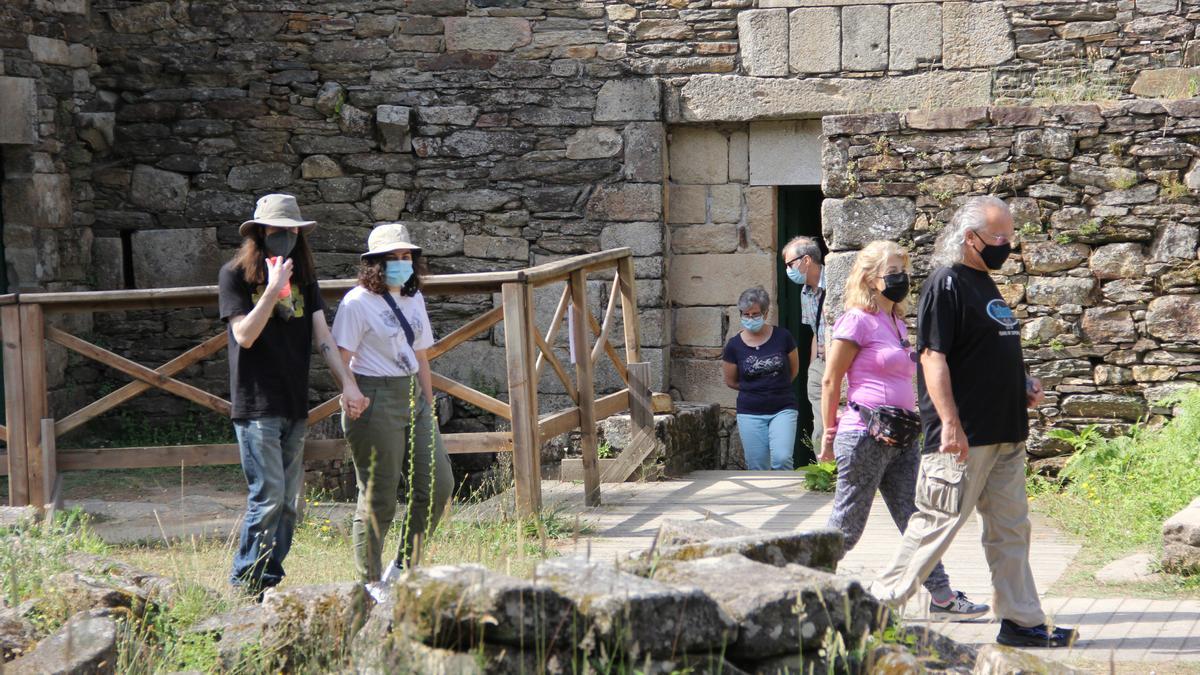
1123,630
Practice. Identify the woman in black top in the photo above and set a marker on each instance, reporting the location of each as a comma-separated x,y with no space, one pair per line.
760,362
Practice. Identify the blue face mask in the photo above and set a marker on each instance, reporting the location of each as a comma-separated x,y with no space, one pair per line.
752,325
398,272
794,276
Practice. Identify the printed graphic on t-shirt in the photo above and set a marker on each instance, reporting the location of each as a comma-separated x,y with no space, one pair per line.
389,319
1001,313
759,367
291,307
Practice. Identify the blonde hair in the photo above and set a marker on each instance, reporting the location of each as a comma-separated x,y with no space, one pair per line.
860,294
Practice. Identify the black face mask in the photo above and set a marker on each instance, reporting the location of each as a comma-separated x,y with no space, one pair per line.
994,256
895,286
281,242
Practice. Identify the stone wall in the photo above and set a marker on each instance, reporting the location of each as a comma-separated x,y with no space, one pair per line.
1105,279
778,58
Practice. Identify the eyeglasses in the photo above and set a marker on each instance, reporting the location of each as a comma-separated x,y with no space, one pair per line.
797,259
753,317
997,239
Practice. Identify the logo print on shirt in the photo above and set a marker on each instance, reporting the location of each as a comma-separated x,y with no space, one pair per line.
756,367
1002,314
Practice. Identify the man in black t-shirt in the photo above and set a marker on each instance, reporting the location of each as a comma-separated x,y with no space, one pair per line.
973,393
269,298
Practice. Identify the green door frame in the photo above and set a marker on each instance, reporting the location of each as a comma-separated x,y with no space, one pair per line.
798,214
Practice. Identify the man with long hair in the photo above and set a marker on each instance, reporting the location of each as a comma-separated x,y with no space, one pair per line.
974,393
272,306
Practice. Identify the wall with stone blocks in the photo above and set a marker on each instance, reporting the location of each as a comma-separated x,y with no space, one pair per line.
1105,278
782,59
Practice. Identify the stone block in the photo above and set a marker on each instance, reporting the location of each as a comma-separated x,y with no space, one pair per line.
776,608
171,258
450,201
1175,240
762,217
718,279
1041,257
37,200
437,238
701,380
739,157
711,238
1181,540
699,326
1118,261
496,248
954,118
1110,406
853,223
785,153
1102,325
256,177
388,204
643,238
637,615
49,51
18,109
820,549
735,98
837,270
698,156
393,123
687,204
85,644
448,115
915,36
594,143
628,100
725,205
486,33
1056,291
762,40
1174,317
626,201
645,159
814,40
865,37
157,189
107,263
319,166
975,34
1000,660
1166,83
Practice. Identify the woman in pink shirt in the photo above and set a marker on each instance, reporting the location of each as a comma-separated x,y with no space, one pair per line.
870,348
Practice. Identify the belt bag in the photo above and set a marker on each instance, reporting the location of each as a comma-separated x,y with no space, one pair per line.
889,424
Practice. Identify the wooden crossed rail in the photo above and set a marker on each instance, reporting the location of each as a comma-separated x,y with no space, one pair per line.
33,462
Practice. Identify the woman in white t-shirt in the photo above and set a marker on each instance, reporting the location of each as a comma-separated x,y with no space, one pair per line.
382,331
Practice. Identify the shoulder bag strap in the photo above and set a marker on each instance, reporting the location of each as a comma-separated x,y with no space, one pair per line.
408,331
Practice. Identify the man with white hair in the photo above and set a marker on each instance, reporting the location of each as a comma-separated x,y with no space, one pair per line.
973,392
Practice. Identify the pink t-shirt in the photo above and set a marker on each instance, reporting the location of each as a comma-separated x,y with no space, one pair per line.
882,372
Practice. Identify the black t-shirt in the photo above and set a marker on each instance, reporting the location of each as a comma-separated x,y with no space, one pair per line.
269,379
764,373
962,315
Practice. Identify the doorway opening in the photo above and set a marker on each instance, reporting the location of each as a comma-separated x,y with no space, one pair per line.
799,214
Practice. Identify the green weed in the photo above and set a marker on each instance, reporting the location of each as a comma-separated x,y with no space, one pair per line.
821,476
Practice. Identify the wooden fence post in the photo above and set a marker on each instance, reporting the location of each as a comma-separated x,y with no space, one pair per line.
629,311
641,432
585,387
14,406
522,396
33,346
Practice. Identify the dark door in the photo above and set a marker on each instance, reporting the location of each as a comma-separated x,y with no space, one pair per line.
799,215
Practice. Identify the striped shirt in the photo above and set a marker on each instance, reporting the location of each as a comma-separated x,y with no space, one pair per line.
810,310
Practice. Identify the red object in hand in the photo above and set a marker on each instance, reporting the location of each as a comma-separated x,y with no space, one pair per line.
287,290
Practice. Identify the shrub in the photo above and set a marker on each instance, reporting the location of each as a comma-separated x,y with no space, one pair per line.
821,476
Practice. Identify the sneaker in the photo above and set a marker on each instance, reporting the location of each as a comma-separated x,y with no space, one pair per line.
381,590
1014,635
958,609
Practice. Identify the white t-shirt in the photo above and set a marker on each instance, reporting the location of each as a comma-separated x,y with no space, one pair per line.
366,325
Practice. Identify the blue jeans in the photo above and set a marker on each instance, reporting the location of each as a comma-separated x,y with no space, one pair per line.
272,450
768,441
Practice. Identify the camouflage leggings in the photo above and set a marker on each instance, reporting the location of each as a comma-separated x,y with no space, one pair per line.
865,465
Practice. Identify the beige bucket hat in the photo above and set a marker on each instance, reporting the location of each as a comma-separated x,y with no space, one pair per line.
276,211
389,237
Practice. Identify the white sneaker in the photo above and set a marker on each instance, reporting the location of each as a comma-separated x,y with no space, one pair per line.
960,608
381,590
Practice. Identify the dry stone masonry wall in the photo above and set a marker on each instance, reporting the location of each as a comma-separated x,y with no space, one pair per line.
1105,279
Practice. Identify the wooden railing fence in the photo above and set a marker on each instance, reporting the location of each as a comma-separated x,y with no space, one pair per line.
32,462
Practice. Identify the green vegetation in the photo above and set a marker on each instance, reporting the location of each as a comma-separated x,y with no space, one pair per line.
1089,228
1172,188
1031,228
1115,493
604,450
821,476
